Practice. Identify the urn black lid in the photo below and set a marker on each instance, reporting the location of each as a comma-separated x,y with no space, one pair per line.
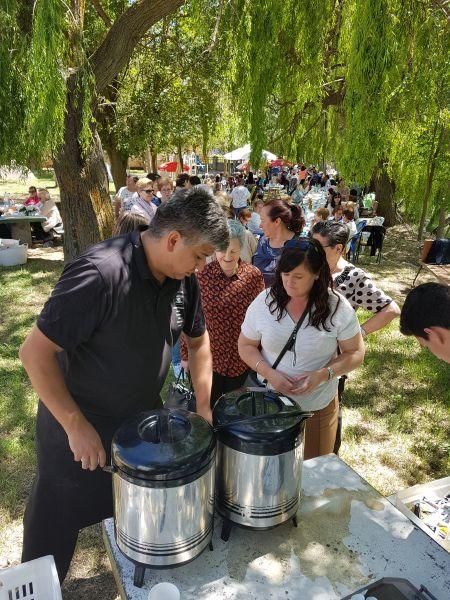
163,445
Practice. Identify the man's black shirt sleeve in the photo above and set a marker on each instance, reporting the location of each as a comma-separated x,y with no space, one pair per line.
194,323
77,306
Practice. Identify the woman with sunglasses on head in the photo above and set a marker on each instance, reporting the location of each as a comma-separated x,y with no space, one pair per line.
354,284
281,223
142,203
308,372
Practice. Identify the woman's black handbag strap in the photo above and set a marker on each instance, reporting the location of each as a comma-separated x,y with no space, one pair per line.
291,341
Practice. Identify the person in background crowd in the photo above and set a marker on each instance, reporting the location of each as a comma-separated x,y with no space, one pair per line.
254,225
281,223
344,190
228,286
315,178
239,196
309,373
32,199
321,214
426,315
250,179
128,222
194,180
124,198
355,285
337,213
224,200
99,354
182,182
165,188
143,204
248,246
348,217
303,173
49,210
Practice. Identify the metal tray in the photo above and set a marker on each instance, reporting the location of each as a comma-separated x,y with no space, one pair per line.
438,487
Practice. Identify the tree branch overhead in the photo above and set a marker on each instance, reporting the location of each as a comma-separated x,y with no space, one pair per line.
117,47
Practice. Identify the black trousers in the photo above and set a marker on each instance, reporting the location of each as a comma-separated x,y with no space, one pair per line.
64,498
222,385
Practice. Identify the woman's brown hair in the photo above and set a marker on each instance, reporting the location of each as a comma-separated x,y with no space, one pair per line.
290,214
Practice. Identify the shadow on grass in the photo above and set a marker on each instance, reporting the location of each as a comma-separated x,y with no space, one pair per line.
97,586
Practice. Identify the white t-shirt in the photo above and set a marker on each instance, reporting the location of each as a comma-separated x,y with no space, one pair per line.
126,197
239,195
314,348
353,230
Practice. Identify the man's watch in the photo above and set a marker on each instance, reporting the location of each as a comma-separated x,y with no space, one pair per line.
331,374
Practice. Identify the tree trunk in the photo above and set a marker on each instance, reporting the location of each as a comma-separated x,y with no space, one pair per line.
180,156
384,189
441,224
119,164
431,166
85,203
154,157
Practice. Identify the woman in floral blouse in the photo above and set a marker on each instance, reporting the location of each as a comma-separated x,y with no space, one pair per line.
228,286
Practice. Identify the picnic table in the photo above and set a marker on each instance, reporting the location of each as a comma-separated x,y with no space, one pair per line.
20,225
348,536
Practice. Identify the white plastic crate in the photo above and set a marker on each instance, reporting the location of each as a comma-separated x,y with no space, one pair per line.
34,580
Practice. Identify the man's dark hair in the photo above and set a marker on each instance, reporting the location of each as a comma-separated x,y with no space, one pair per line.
181,180
333,231
196,216
153,176
427,305
194,180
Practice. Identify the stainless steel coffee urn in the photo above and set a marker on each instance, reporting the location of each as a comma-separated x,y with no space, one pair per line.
259,458
163,483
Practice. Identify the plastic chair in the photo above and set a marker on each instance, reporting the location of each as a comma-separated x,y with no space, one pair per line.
351,254
33,580
375,239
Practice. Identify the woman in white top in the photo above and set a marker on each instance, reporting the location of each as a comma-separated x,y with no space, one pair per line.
142,202
308,373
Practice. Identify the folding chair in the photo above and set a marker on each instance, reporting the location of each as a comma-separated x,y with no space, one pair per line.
351,254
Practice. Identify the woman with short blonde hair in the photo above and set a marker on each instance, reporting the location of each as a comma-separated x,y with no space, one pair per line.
143,204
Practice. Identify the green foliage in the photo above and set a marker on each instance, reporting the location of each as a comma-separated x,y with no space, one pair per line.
12,96
46,75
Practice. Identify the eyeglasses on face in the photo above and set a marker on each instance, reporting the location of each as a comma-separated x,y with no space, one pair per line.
148,191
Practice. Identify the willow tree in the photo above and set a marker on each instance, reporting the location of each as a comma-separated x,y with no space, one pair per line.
51,87
170,97
337,78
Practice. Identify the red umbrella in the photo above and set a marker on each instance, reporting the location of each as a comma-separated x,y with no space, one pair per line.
171,167
243,166
280,162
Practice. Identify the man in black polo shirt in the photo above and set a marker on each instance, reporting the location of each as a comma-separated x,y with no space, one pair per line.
100,352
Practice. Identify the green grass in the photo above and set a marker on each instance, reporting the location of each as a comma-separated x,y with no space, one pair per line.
396,414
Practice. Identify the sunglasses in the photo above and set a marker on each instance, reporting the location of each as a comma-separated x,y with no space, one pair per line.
148,191
300,244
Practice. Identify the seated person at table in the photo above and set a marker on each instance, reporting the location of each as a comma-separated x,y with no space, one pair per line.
48,209
426,316
33,199
321,214
337,214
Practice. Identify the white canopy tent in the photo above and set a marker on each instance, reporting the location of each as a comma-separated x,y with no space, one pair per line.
243,153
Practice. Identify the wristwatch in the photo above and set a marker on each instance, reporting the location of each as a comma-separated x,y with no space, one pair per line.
330,373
